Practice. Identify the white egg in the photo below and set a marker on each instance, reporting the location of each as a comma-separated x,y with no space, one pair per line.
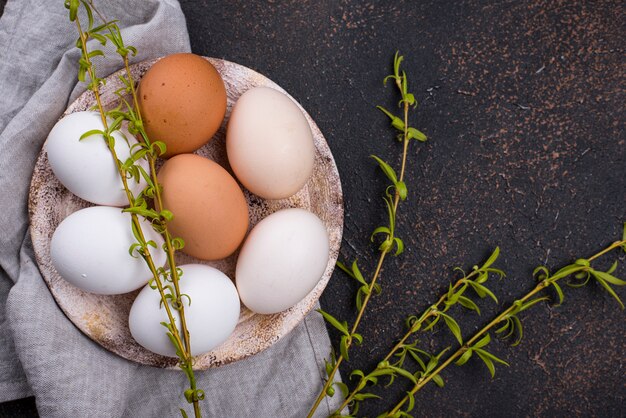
211,316
283,258
269,144
90,249
85,167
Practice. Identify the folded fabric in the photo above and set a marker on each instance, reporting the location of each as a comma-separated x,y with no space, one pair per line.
41,352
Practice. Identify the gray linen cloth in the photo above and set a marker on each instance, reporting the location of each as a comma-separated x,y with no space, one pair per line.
41,352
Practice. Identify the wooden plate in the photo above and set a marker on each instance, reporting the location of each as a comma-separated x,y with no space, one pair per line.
105,318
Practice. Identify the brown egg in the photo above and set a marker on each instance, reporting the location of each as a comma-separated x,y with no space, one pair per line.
210,211
183,101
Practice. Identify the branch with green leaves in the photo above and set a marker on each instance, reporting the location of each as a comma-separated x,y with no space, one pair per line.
508,324
395,192
165,281
393,364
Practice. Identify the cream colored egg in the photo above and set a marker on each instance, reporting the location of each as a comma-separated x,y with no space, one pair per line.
211,316
90,249
269,144
281,261
86,167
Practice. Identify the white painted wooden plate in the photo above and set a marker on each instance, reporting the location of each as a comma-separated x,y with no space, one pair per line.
105,318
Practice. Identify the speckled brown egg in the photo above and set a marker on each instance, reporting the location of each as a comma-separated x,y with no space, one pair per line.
183,101
210,210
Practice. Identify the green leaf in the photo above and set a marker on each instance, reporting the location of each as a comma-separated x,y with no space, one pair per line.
73,6
397,60
360,295
95,53
363,396
357,372
343,347
434,360
453,326
520,330
183,413
612,268
531,303
487,361
396,122
413,133
438,380
380,230
491,356
90,133
608,278
566,271
343,388
582,262
584,274
342,327
389,172
499,272
432,323
610,290
99,38
507,324
545,273
402,190
345,269
159,148
416,357
189,395
482,291
492,258
468,304
483,341
464,357
392,215
411,399
132,250
399,246
167,215
89,15
559,293
404,373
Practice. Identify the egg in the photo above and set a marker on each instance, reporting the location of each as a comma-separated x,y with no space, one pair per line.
86,167
182,98
90,249
283,258
269,144
210,210
211,316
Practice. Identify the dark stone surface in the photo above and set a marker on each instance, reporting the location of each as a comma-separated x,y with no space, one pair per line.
523,103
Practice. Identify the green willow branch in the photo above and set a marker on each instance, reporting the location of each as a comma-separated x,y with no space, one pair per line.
426,321
133,116
159,220
580,269
390,241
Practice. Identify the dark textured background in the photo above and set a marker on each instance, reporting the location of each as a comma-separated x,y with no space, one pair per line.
523,102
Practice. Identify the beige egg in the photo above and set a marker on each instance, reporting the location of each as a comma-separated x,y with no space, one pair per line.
269,144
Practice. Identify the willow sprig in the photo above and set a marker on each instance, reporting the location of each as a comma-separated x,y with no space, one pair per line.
166,282
455,295
579,273
394,193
